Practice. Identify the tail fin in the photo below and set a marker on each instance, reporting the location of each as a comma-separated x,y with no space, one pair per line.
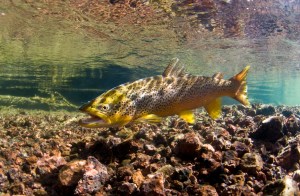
241,92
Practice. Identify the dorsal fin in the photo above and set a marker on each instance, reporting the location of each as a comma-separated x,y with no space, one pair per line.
174,69
218,75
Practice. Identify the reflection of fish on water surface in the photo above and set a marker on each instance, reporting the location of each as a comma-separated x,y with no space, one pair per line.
173,92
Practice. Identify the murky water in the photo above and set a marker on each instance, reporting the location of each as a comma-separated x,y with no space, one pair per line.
52,59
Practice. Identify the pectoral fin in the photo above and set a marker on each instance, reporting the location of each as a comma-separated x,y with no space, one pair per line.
214,108
149,118
188,116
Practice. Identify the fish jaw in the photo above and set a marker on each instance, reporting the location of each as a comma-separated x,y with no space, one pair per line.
97,118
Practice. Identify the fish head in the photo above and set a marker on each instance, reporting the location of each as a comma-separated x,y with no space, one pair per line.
110,109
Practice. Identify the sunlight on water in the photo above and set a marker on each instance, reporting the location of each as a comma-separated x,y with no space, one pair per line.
65,59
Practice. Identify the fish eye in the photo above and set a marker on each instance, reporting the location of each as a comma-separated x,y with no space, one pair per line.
104,107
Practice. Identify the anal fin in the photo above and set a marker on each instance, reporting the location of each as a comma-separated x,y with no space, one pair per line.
214,108
149,118
188,116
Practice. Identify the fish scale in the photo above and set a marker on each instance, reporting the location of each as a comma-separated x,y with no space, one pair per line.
173,92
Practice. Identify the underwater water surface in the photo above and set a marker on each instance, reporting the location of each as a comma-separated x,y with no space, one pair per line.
61,55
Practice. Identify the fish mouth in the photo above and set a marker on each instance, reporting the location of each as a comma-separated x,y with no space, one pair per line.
93,122
96,120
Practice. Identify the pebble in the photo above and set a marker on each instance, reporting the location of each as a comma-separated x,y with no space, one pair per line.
154,185
94,177
188,146
240,148
138,178
290,154
251,162
127,188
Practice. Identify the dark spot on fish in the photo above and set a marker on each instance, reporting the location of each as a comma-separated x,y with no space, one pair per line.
161,92
133,97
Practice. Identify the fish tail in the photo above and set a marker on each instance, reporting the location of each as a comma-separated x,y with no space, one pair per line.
240,92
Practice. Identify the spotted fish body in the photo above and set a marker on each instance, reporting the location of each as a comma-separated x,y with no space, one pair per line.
173,92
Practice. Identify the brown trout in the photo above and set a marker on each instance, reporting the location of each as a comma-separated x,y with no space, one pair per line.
173,92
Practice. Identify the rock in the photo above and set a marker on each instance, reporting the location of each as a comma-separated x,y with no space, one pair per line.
71,173
230,159
251,162
292,126
284,187
127,147
166,170
94,177
182,174
251,112
154,185
47,164
266,110
240,148
188,146
286,113
141,161
289,155
150,149
206,190
127,188
3,181
124,172
270,130
138,178
13,174
218,143
210,158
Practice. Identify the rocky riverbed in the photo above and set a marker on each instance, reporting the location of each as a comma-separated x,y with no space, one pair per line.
249,151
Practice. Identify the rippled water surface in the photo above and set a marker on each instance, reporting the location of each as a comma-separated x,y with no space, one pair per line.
58,54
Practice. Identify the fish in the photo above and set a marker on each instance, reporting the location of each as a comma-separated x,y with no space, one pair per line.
174,92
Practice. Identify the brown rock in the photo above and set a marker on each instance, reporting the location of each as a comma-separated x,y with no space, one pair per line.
138,178
211,158
188,146
251,162
290,154
127,188
72,172
154,185
141,161
230,159
124,172
94,177
207,190
47,164
240,148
